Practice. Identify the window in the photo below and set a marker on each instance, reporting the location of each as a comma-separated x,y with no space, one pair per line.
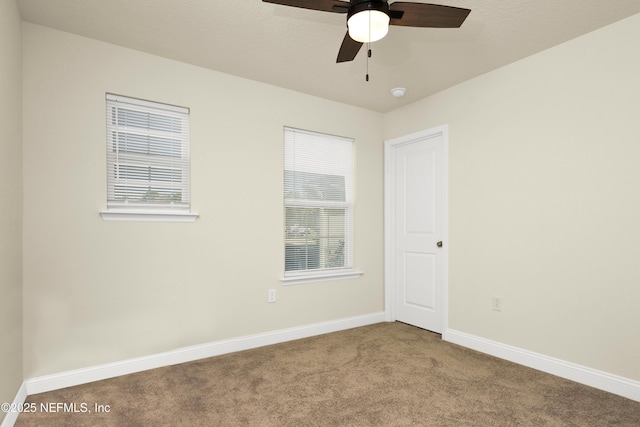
147,160
318,206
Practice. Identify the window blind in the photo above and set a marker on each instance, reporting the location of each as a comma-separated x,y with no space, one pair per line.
318,199
147,154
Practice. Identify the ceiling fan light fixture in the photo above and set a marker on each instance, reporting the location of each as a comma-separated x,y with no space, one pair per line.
368,26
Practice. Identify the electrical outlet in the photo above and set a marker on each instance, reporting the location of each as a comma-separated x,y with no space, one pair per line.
497,303
271,296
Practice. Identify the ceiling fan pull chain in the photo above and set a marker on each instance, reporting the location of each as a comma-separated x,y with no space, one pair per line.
368,56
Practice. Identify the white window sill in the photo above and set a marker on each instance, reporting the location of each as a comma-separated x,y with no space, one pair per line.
321,277
147,215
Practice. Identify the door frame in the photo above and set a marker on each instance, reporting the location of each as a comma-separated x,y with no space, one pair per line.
389,219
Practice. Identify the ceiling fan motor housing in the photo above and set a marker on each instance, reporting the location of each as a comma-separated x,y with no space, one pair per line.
358,6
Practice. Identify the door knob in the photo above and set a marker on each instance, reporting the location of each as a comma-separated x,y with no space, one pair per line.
439,244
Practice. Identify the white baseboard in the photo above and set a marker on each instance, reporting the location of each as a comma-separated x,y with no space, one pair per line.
187,354
11,417
598,379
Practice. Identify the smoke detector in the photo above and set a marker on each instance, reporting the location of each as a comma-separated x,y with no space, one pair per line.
398,92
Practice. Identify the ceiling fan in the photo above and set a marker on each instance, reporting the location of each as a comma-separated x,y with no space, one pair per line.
369,20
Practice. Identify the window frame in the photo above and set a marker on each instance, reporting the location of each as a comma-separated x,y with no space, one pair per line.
148,211
292,277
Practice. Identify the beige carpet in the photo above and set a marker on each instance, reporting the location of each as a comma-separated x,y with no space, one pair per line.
388,374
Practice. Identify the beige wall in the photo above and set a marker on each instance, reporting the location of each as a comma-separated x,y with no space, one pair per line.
10,201
544,199
97,291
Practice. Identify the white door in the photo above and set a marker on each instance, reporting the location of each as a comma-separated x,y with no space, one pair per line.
415,228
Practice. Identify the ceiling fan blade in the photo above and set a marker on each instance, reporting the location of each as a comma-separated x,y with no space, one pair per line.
336,6
349,49
426,15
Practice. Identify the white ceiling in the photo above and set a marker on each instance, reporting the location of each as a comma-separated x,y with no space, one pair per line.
297,48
